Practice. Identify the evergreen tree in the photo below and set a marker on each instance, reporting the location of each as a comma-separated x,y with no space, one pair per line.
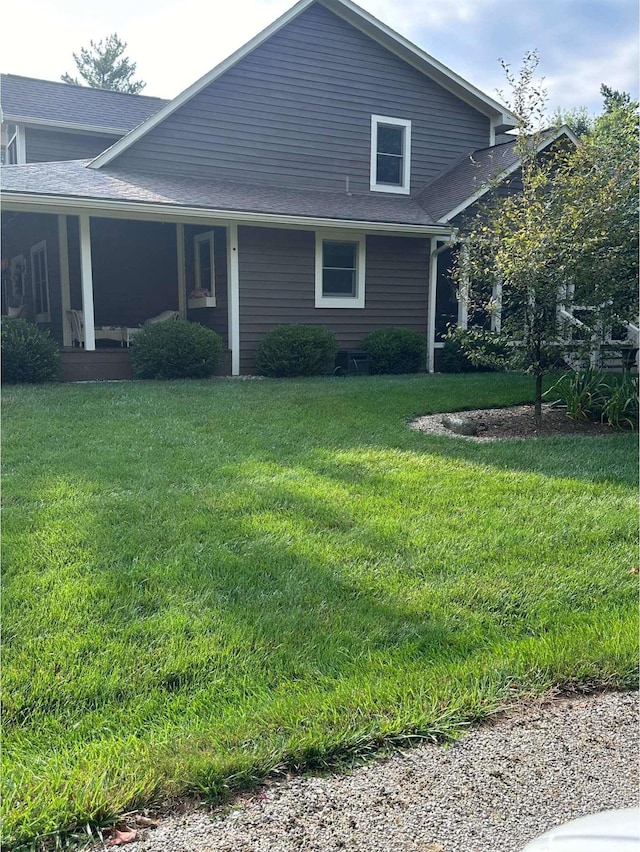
103,66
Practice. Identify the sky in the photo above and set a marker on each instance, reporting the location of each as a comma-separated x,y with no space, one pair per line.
581,43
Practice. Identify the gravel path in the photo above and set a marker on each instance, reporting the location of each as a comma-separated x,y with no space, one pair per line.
491,791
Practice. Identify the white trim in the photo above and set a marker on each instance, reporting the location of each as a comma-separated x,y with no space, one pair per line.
65,283
54,124
562,131
496,314
399,189
28,202
18,136
359,240
36,291
358,18
233,289
182,273
205,237
86,281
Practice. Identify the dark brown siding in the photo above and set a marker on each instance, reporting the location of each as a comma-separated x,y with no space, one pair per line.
277,285
50,145
215,318
297,111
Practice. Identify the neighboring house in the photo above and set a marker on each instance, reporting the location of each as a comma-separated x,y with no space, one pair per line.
43,120
314,176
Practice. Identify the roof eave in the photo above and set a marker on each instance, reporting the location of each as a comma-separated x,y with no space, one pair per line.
54,124
23,201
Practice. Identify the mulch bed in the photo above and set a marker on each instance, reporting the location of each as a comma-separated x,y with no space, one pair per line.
517,422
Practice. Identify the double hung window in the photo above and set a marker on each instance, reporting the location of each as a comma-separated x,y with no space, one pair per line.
390,154
340,270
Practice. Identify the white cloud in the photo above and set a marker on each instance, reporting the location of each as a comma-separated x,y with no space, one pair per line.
579,84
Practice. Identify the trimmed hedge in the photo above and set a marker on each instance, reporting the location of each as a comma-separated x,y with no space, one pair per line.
395,350
175,349
29,354
296,350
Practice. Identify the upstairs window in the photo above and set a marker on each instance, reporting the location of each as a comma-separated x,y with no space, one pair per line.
340,271
40,282
390,154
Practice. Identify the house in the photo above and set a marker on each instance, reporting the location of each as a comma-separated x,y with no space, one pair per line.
43,120
313,176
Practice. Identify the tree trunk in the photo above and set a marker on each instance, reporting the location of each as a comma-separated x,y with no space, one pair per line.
538,402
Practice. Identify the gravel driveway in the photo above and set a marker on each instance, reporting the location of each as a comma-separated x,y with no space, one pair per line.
491,791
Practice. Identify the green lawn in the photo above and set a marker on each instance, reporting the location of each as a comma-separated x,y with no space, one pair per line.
205,581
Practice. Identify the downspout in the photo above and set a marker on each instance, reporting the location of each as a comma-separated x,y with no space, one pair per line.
431,315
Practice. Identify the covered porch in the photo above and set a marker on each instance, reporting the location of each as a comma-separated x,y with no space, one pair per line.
94,281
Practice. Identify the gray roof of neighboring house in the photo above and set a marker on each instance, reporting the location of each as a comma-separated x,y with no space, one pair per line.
60,103
73,179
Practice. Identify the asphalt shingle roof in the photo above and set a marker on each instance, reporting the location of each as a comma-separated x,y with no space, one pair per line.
28,97
465,178
73,178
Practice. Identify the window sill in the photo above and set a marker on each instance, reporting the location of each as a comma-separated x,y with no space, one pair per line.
329,302
202,302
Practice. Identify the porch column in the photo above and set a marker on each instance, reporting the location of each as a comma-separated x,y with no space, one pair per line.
65,287
463,299
431,305
496,316
233,294
182,275
86,279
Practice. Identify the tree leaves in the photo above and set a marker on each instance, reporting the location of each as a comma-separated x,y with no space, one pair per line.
103,66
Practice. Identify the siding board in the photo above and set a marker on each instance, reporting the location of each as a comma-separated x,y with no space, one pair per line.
297,112
50,145
277,285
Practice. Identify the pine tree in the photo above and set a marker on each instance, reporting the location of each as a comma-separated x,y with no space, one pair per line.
103,66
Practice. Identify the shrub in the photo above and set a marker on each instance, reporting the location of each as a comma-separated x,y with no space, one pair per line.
296,350
175,349
28,353
474,349
592,395
395,350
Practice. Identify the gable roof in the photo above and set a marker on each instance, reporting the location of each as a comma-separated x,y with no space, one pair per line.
473,176
27,100
500,117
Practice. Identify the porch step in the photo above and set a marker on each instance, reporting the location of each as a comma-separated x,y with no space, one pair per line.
101,365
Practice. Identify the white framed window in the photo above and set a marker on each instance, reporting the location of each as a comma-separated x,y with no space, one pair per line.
340,269
16,149
205,283
390,154
40,282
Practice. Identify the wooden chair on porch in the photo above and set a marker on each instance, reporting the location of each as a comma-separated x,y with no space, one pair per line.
101,332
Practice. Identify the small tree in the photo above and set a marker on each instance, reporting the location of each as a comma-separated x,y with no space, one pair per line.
568,237
103,66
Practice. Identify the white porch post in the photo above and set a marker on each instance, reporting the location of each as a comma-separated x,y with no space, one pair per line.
496,316
233,295
182,275
463,298
65,286
86,278
431,309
